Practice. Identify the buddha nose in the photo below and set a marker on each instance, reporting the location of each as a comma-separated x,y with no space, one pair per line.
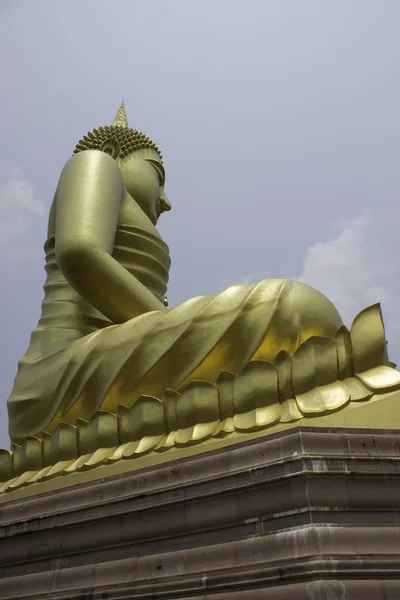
165,203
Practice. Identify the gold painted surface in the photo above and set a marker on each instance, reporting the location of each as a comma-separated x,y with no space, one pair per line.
112,373
105,336
260,397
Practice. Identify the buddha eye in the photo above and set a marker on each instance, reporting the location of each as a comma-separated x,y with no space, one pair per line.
160,179
160,175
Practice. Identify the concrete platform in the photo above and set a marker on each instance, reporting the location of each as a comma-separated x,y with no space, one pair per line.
308,513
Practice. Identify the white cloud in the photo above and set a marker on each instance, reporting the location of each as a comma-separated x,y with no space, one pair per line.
20,212
249,278
355,269
246,279
358,267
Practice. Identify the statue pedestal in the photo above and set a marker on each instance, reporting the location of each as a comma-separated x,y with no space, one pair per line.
308,513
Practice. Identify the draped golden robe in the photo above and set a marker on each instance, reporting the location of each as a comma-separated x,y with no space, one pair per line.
79,362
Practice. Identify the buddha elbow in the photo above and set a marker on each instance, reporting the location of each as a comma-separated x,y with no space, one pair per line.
75,260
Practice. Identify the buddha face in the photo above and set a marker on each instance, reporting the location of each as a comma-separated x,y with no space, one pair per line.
144,179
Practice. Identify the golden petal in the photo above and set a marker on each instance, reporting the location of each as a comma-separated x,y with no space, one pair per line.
161,444
148,443
7,486
167,442
204,430
77,464
380,378
198,403
342,341
314,365
323,398
245,421
6,466
21,480
116,455
290,411
267,415
358,391
170,399
57,469
184,436
224,383
256,386
368,339
98,457
226,426
40,475
128,449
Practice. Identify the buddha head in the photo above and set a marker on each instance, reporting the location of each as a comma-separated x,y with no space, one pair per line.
139,160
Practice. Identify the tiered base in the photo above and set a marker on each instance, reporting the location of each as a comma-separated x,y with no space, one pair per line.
308,513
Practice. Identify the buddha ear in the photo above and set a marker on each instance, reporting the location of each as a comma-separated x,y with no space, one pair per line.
111,146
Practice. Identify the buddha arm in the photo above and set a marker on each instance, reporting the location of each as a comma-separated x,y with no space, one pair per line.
88,201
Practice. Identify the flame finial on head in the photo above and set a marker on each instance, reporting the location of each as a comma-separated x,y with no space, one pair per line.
121,119
116,135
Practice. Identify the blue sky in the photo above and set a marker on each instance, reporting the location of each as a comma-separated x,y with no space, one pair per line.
278,120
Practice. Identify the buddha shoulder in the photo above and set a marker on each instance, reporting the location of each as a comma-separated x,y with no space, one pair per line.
92,166
88,174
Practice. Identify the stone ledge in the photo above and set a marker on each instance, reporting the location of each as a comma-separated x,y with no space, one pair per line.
286,515
343,579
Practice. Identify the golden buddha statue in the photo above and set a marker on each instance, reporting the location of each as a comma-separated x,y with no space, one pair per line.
106,338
